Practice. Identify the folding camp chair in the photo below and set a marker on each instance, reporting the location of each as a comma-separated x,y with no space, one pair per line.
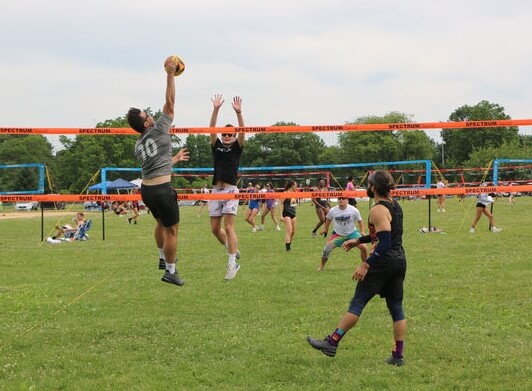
81,232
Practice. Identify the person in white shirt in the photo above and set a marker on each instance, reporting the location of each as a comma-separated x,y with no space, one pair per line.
441,197
343,217
484,200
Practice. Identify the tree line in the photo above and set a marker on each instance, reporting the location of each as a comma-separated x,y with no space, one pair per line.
76,166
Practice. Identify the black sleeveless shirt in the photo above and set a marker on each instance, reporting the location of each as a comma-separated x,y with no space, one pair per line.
396,252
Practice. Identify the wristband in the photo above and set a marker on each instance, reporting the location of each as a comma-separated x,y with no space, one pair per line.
364,239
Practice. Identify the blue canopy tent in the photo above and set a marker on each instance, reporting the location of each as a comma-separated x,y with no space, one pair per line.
120,184
99,186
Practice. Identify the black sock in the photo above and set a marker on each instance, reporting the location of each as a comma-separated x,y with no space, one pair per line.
287,245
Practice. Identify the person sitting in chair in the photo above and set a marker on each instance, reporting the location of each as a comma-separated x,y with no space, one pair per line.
68,232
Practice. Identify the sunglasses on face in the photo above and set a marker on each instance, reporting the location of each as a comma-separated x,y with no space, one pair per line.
227,134
342,198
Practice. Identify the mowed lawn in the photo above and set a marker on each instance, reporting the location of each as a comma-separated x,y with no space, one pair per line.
94,315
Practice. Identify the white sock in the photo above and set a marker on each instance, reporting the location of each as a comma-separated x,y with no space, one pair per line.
161,254
170,267
232,260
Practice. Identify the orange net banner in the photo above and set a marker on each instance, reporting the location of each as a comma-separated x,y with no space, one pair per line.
282,129
262,196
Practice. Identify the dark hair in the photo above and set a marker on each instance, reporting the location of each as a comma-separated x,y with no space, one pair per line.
289,184
382,181
349,178
135,120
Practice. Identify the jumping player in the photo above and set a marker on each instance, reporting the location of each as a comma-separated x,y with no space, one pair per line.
226,159
153,150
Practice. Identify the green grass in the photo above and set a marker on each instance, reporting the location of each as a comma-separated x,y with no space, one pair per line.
95,316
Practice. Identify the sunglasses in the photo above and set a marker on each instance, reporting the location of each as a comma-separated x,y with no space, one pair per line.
228,134
342,198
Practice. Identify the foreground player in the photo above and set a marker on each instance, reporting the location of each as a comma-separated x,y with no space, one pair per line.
382,273
154,151
226,158
343,217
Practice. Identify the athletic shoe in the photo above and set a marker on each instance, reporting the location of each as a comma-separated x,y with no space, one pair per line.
278,228
172,278
162,264
496,230
313,234
443,210
396,361
472,230
323,345
253,229
231,272
129,220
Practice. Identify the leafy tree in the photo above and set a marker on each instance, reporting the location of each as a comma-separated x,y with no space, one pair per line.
383,146
282,149
483,157
459,143
377,146
22,149
416,145
199,148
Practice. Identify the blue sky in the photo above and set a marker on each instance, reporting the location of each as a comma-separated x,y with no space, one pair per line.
73,64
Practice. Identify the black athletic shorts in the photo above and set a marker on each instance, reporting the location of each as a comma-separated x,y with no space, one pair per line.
384,279
162,202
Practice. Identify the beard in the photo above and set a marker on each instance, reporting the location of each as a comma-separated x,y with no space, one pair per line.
371,193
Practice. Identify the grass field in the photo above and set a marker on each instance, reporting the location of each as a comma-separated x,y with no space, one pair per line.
95,316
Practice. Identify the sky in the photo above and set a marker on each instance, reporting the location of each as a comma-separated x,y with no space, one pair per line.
66,63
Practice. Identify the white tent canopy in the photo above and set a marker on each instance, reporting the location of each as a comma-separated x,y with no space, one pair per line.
137,182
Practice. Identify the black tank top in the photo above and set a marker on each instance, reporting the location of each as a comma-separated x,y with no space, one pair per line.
396,252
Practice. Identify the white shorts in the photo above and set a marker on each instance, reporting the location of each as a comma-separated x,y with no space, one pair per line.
218,208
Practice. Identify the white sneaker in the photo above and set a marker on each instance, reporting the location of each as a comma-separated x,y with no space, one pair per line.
231,272
496,230
253,229
472,230
260,228
443,210
278,228
439,210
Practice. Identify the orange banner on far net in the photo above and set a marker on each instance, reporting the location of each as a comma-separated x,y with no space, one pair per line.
279,129
250,196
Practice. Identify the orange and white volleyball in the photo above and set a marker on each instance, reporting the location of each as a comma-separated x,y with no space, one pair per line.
179,64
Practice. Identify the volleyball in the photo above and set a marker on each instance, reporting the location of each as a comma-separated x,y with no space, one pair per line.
180,68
